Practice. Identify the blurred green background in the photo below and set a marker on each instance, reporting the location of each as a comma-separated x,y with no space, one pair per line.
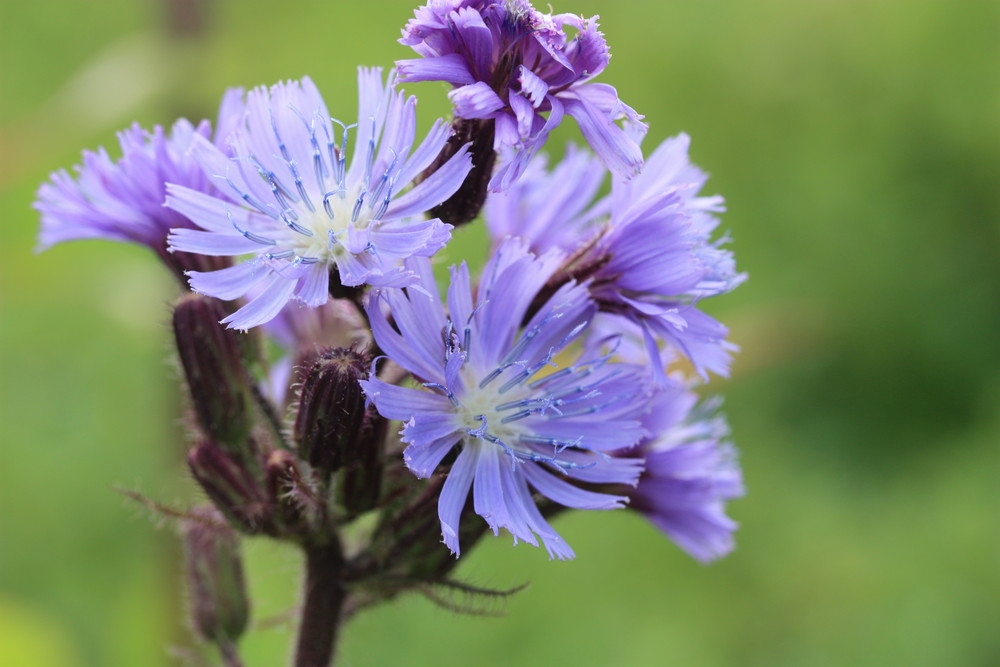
858,145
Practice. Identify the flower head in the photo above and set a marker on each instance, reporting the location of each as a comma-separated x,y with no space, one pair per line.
291,198
690,473
646,250
497,392
122,200
511,63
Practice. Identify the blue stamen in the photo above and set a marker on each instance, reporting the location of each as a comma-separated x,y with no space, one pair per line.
447,392
529,335
385,175
562,372
289,216
357,206
340,166
300,186
495,373
371,154
516,416
383,207
282,195
250,235
481,431
277,136
245,196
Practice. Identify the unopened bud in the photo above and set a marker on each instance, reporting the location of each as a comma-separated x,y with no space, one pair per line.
331,409
231,486
213,366
286,490
361,482
214,572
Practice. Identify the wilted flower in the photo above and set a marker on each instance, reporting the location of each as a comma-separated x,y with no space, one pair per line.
511,64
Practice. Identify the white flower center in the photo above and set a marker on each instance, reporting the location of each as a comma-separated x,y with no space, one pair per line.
320,234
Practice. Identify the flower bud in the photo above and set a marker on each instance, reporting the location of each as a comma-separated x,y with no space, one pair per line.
231,486
213,366
361,481
331,409
286,491
214,573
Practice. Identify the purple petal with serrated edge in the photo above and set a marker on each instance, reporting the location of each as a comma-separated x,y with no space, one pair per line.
440,185
460,296
314,287
487,493
206,211
411,239
517,497
426,152
450,68
554,543
566,494
476,100
422,362
423,458
402,402
533,86
612,144
210,243
264,306
229,283
430,426
454,494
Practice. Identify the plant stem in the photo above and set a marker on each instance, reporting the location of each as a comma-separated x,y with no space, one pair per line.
324,597
229,655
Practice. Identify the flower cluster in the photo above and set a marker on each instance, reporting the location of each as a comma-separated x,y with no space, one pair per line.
544,382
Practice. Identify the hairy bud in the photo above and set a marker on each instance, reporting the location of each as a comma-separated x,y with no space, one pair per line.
214,573
291,497
232,487
331,409
213,366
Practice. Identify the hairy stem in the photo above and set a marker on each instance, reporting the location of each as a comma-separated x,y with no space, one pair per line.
324,597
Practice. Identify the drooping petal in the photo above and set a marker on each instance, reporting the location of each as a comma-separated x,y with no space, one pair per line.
229,283
264,306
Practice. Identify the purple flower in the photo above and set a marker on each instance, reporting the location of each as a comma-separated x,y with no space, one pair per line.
552,209
292,200
492,388
690,473
123,200
511,63
645,251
